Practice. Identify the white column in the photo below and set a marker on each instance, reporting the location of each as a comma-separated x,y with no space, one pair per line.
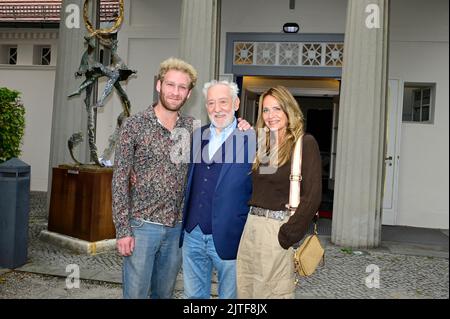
357,205
69,115
198,46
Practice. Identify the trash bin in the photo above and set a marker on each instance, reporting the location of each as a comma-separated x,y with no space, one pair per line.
14,209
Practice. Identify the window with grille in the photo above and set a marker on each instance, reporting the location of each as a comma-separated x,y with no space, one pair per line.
8,54
46,55
42,54
12,55
418,103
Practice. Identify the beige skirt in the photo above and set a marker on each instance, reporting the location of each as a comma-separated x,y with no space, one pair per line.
264,268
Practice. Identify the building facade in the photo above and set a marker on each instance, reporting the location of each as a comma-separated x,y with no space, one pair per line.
390,166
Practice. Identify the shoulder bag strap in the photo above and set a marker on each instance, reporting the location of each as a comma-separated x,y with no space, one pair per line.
296,176
295,181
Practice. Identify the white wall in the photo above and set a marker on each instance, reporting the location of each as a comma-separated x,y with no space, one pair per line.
419,53
149,35
319,16
27,39
36,85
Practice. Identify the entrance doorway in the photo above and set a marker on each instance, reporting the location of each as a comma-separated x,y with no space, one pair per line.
318,99
318,112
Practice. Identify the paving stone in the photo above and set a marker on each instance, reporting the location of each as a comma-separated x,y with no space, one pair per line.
401,275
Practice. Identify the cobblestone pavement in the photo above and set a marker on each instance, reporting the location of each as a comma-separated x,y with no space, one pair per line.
40,252
371,274
345,274
20,285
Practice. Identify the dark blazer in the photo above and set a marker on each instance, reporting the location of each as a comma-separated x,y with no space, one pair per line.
233,190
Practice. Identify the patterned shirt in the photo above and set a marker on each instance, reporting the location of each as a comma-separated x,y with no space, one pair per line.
147,147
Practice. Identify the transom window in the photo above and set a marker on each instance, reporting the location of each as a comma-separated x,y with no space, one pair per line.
281,54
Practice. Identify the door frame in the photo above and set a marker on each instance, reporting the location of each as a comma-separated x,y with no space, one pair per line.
389,215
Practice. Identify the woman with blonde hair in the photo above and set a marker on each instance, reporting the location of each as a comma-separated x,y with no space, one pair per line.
265,265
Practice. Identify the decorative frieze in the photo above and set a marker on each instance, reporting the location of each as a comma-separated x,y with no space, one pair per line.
310,54
29,35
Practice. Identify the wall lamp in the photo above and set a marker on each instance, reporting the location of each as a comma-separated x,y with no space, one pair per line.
290,27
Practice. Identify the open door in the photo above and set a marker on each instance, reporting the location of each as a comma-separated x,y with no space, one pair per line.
392,156
250,111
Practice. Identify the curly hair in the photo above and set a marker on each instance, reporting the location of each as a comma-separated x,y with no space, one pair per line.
179,65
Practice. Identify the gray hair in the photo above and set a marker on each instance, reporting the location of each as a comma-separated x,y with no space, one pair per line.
234,90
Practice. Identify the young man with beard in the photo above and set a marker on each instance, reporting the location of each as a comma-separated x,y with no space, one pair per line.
218,189
147,215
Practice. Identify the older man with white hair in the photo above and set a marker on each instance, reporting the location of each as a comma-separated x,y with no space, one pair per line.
218,189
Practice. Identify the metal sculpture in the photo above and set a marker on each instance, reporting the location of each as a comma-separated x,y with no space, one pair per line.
92,70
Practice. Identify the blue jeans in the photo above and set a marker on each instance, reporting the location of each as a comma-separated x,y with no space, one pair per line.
151,271
199,258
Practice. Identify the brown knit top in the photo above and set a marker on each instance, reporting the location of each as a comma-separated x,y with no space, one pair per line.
271,191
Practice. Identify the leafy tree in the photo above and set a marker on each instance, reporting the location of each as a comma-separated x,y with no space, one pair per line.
12,124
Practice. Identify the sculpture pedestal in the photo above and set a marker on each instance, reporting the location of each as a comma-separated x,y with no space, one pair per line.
81,202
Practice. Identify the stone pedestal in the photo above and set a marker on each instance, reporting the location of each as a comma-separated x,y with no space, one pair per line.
81,203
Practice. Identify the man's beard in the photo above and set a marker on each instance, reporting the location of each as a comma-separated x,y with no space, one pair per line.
225,123
168,106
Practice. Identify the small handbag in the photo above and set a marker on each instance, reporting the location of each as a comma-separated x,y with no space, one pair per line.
310,253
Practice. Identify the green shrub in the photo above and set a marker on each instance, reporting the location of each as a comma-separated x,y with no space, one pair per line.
12,124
